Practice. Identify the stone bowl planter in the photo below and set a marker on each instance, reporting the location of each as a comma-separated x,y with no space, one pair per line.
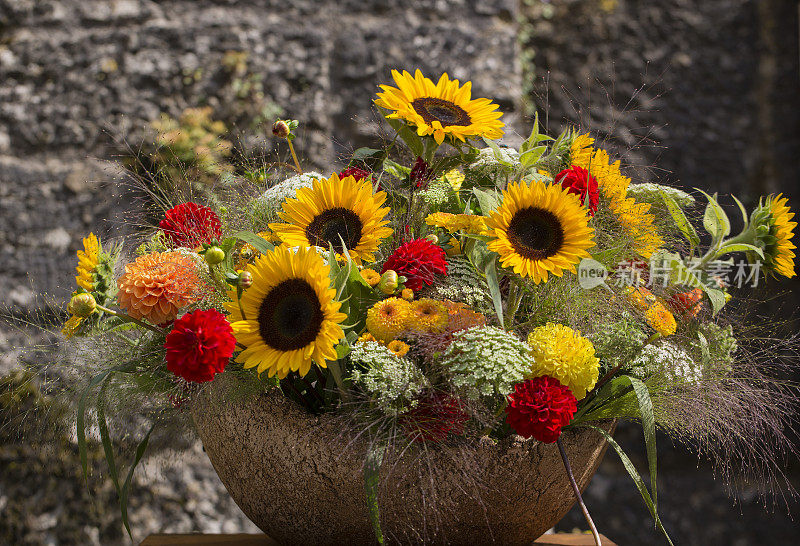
299,478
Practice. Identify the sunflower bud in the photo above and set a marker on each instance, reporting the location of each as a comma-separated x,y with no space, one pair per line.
280,129
82,305
389,282
214,255
245,279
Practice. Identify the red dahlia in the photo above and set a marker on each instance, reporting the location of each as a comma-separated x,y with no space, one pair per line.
540,407
577,180
418,260
355,172
421,173
190,225
437,415
199,345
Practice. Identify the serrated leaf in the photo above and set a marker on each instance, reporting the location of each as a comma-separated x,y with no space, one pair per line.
715,220
683,223
486,201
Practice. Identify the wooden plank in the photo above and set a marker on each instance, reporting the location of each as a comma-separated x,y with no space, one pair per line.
558,539
571,539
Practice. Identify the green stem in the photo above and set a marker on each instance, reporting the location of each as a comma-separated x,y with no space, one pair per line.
336,372
488,430
577,492
514,299
294,156
128,318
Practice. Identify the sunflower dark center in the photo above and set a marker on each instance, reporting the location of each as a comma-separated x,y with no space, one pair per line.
290,315
445,112
535,233
334,225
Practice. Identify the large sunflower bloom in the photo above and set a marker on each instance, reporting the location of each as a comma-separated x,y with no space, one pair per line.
778,252
442,109
635,219
540,229
332,211
288,317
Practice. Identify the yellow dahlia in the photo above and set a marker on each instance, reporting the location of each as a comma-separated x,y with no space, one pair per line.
156,286
442,109
428,315
288,317
398,347
336,210
635,219
539,229
470,223
660,319
371,276
388,318
88,260
563,353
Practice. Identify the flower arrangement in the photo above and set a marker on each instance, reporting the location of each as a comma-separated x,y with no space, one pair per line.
460,294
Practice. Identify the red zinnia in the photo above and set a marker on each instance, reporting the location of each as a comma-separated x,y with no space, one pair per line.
540,407
688,303
437,415
577,180
190,225
418,260
199,345
355,172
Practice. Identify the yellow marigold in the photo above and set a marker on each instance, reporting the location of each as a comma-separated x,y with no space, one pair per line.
156,286
88,259
471,223
407,294
388,318
398,347
461,317
365,337
371,276
660,319
428,315
563,353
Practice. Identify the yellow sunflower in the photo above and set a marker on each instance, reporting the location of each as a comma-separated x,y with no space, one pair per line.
780,257
288,317
88,260
442,109
539,229
336,210
634,218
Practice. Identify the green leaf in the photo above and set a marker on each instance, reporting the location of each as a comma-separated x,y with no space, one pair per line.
490,269
123,500
532,156
637,479
743,210
105,437
255,241
372,469
372,158
395,169
715,220
683,223
704,350
649,429
407,135
487,201
695,278
740,247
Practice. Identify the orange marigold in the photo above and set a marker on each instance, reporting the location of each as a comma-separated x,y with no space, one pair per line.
155,286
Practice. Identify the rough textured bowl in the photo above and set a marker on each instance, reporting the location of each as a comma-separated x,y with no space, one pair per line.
299,478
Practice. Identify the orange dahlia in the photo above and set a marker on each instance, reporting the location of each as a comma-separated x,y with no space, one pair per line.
155,286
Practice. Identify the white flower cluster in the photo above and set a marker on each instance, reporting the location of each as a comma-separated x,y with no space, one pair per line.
667,360
272,199
392,383
463,284
486,361
487,165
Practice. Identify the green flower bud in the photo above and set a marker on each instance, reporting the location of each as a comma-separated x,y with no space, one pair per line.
214,255
82,305
280,129
389,282
433,239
